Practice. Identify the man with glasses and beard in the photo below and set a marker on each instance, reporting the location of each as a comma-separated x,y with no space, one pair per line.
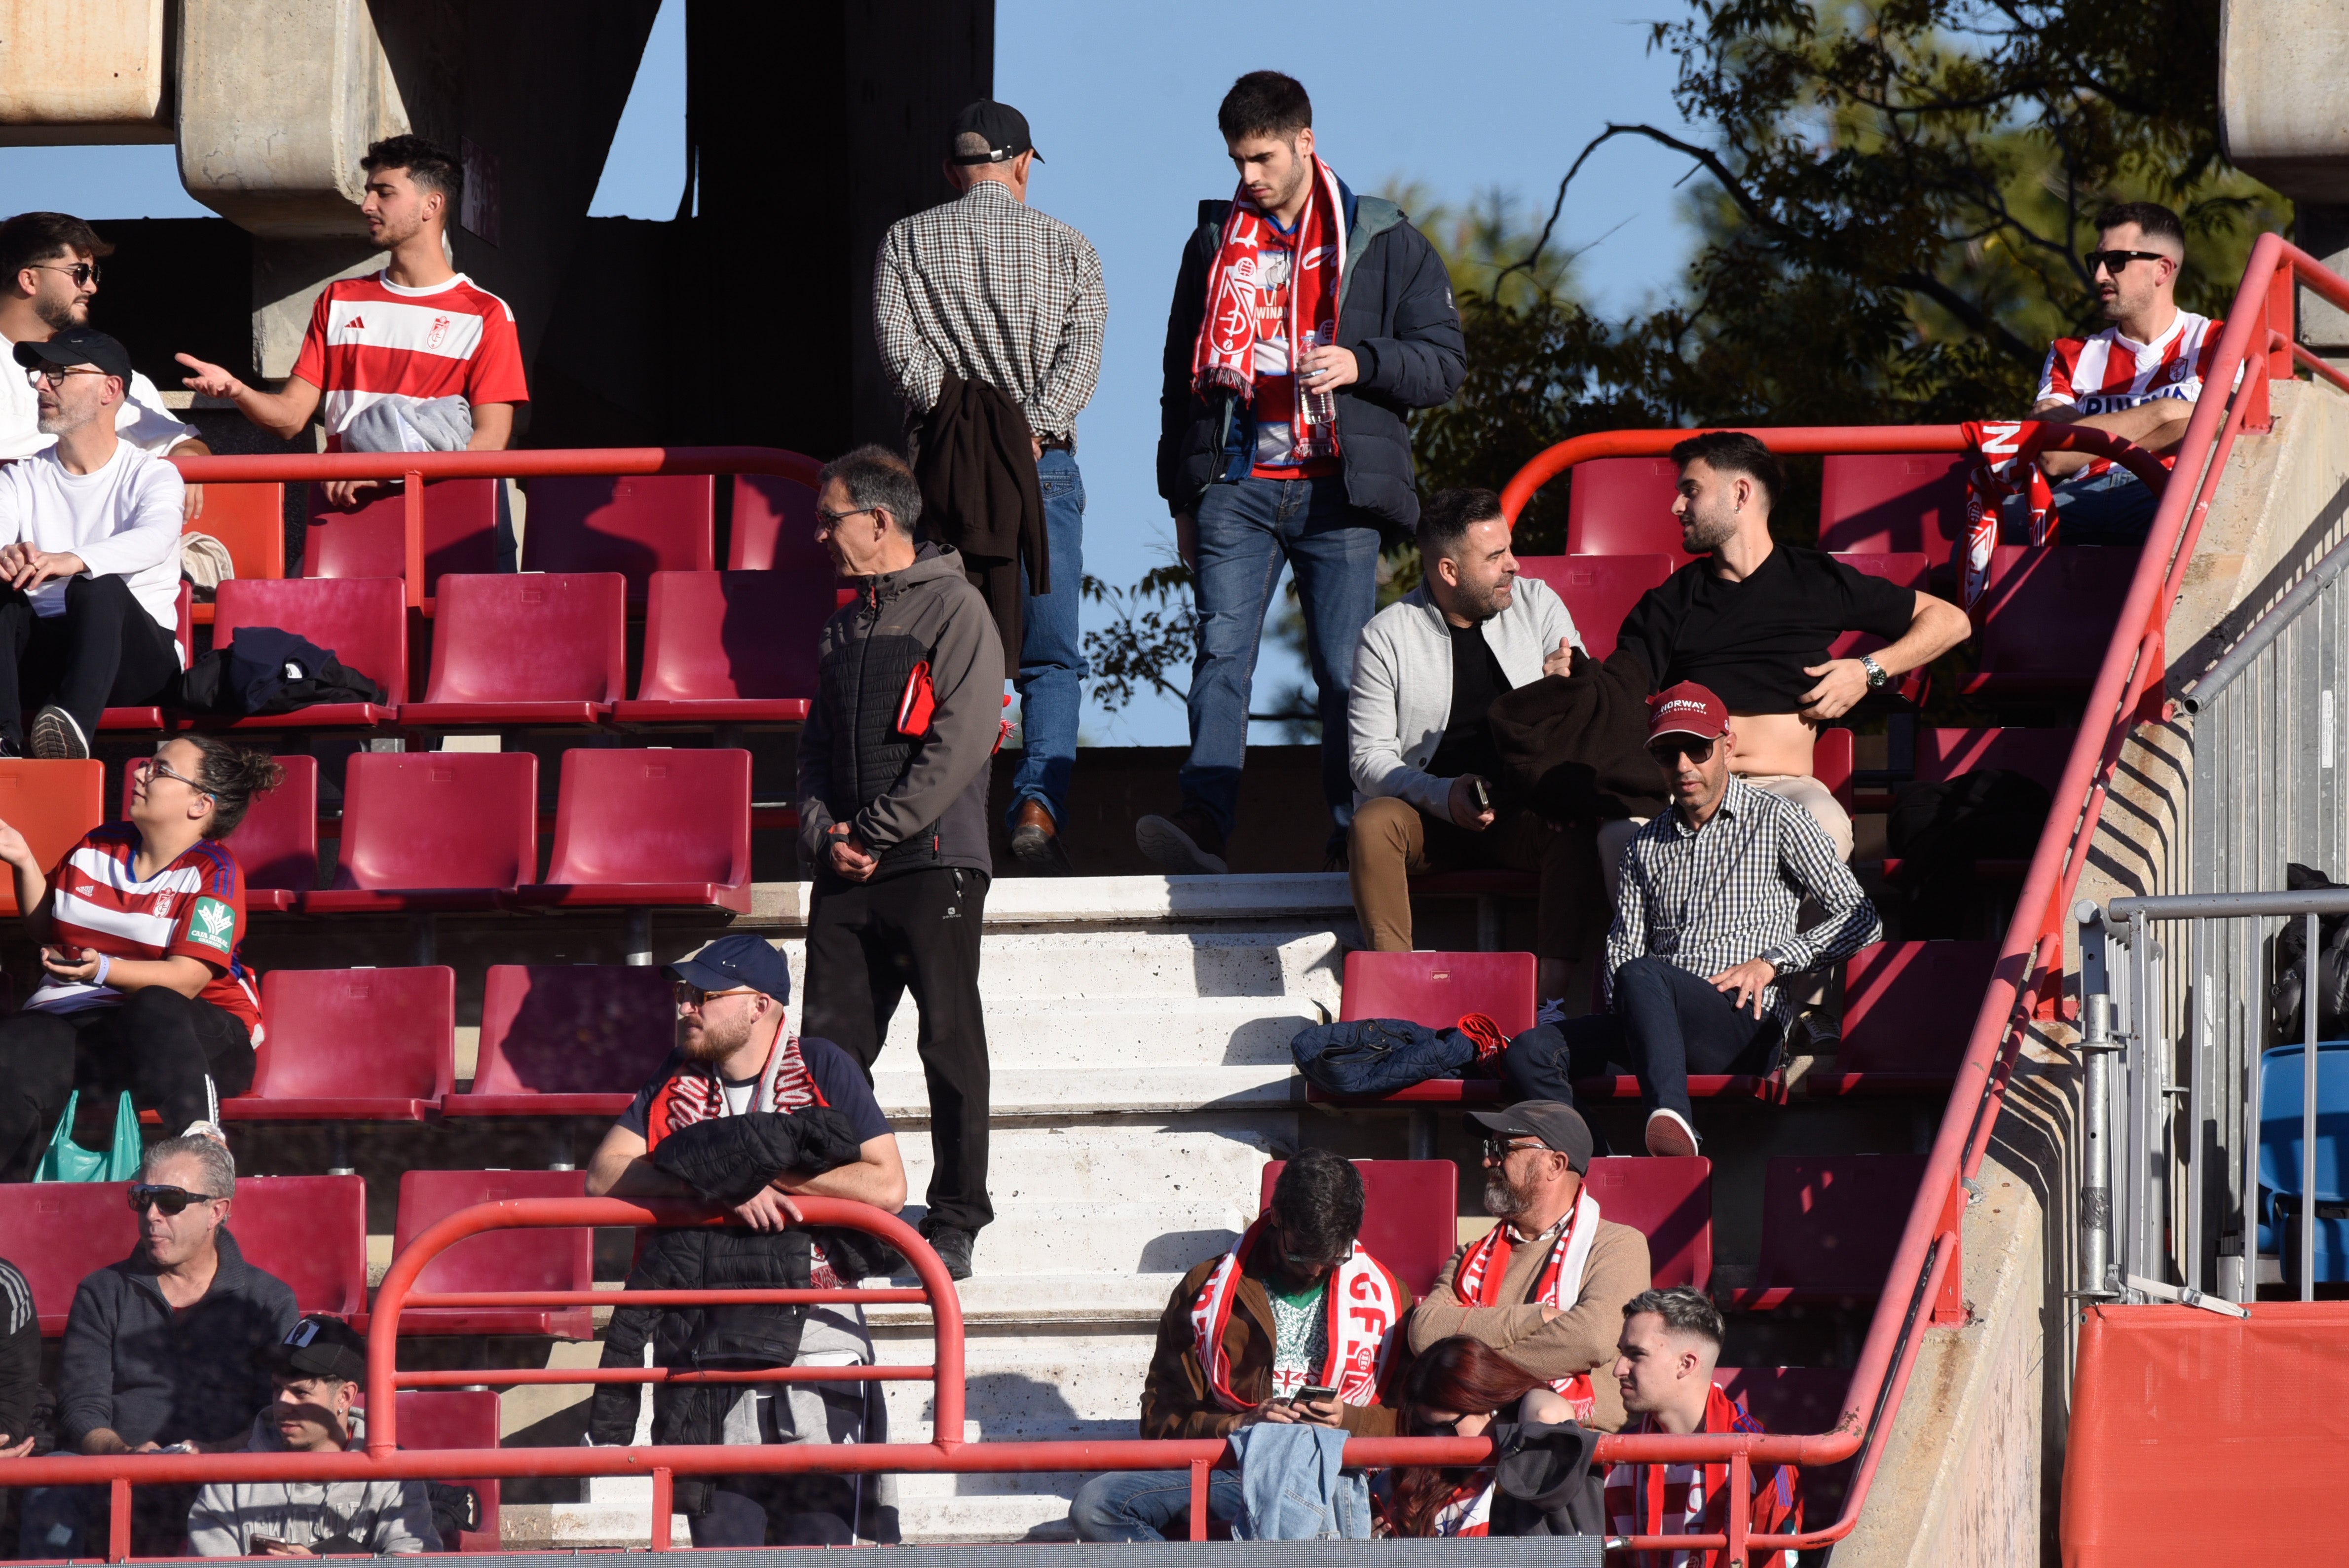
1705,931
1545,1285
165,1352
1296,1323
735,1056
1426,671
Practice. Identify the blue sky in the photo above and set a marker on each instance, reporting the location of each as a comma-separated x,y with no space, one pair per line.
1461,98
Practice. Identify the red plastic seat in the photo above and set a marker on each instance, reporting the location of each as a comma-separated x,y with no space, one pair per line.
1436,989
248,520
658,826
433,830
151,717
276,845
1792,1401
1908,1010
52,804
362,621
359,1045
544,649
1834,759
775,526
308,1230
729,647
635,525
2047,617
1624,507
1669,1200
2038,754
370,540
526,1260
1600,590
1893,500
457,1419
1829,1226
567,1040
1407,1214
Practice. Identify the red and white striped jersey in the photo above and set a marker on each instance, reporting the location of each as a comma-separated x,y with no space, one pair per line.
1692,1499
2108,372
193,908
371,338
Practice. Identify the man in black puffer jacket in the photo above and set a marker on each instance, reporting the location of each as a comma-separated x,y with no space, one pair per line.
1308,323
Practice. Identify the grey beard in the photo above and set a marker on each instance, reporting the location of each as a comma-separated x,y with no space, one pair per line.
1502,1201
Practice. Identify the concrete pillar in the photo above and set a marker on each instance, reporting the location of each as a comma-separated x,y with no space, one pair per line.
2322,229
2283,111
88,71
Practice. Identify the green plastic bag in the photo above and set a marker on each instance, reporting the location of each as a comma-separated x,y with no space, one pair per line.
66,1160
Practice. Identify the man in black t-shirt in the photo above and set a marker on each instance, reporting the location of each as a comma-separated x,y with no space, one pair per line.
1753,620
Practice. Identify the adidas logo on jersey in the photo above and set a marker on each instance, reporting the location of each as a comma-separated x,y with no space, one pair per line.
354,325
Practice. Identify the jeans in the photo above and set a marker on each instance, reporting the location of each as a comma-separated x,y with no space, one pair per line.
1052,670
1245,531
1142,1505
1667,1023
2109,508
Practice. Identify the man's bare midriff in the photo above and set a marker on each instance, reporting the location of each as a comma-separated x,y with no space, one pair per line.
1771,743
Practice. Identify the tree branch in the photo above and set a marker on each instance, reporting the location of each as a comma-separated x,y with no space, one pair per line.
1972,314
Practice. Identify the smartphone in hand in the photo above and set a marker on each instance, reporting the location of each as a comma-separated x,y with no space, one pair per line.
1481,792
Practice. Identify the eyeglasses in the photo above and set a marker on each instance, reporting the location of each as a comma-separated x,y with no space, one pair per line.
55,375
1669,750
170,1200
692,998
151,766
834,519
2114,260
82,273
1501,1148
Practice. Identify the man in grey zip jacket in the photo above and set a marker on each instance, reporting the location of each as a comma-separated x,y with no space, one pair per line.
893,777
1283,434
1423,755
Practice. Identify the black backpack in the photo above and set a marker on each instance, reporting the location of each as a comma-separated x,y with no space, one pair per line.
264,669
2287,1016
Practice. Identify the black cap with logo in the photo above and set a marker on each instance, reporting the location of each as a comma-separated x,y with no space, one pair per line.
78,346
1003,127
321,1348
1557,1125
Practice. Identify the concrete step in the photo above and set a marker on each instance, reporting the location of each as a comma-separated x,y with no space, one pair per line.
1113,900
1142,964
956,1519
1035,1386
1064,1303
1126,1031
1127,1091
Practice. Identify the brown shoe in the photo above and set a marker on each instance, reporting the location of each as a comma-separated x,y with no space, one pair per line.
1034,840
1187,842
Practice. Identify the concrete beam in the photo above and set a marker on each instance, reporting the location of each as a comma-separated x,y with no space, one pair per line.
92,71
2283,94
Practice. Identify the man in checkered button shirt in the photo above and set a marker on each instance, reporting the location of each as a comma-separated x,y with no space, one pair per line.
1705,928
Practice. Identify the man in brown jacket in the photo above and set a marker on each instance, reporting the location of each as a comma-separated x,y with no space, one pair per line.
1258,1335
1546,1286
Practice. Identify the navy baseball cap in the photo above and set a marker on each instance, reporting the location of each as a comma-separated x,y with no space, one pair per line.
78,346
737,960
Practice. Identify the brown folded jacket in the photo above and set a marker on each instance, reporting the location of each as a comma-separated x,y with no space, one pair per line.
975,458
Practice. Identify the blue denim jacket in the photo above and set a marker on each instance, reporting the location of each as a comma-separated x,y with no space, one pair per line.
1292,1488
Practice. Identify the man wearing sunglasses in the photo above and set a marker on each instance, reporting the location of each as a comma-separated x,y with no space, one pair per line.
50,272
1705,931
167,1351
2138,378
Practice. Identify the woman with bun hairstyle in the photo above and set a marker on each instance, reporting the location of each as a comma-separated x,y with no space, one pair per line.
1539,1481
143,988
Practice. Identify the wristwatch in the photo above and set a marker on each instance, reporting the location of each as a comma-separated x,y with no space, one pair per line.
1878,679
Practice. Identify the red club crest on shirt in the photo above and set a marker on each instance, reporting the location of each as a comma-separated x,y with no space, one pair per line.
433,338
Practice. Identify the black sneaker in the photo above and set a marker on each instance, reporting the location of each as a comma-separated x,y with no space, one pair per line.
1187,842
953,1245
56,737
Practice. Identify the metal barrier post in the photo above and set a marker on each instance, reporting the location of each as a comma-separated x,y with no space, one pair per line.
2097,1151
118,1519
1199,1499
412,530
664,1506
1740,1508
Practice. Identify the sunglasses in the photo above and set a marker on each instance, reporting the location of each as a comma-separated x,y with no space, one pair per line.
170,1200
1668,751
2114,260
1501,1148
833,520
80,272
690,998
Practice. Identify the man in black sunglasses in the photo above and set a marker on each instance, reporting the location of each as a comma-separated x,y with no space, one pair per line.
2138,378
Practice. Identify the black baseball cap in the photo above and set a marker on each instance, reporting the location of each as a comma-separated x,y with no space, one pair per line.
1004,127
78,346
321,1348
737,960
1558,1125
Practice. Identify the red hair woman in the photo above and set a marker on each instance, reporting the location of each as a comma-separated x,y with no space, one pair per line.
1463,1387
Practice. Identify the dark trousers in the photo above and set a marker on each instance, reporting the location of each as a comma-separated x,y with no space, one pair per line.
171,1051
105,651
869,943
1667,1023
72,1522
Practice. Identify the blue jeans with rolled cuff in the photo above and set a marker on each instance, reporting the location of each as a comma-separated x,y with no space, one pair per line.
1052,669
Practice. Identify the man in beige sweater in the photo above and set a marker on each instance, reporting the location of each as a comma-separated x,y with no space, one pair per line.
1546,1286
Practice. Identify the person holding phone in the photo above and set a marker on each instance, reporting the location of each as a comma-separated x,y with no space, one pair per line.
1256,1335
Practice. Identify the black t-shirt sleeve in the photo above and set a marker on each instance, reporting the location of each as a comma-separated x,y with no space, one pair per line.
843,1088
1877,605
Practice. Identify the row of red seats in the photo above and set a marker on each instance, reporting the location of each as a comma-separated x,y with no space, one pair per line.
1877,504
437,831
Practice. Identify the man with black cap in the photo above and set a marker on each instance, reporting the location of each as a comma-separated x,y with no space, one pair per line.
318,1372
1546,1286
89,556
1706,926
985,292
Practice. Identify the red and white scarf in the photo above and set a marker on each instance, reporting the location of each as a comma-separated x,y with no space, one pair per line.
1486,1262
1365,1306
1469,1511
695,1095
1684,1499
2005,452
1225,356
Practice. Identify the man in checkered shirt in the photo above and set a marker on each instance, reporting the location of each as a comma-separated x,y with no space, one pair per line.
1706,926
991,290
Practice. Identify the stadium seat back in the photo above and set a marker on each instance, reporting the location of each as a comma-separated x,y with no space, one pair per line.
1792,1400
574,1029
634,524
57,1233
1624,507
1669,1200
541,637
276,845
456,1418
52,804
1895,501
1834,759
1909,1007
660,815
370,539
439,819
728,635
1830,1222
510,1260
310,1231
775,526
362,621
1599,590
2283,1091
1407,1214
248,520
2038,754
1436,989
357,1034
2048,614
